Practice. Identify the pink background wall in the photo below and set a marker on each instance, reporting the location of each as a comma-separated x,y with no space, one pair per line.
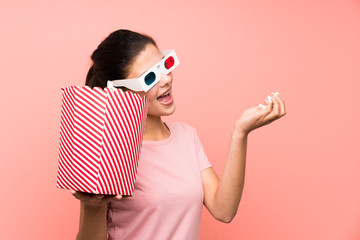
302,172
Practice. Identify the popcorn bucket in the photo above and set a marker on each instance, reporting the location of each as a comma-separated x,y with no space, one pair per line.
101,133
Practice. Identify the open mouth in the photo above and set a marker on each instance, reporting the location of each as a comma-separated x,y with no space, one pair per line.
165,99
163,96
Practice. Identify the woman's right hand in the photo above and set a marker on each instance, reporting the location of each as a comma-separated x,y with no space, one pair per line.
95,200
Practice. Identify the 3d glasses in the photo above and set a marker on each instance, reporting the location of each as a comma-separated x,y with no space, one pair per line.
152,76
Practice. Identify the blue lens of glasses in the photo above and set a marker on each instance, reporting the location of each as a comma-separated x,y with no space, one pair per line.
150,78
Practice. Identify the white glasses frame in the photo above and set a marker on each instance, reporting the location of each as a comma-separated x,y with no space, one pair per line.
139,84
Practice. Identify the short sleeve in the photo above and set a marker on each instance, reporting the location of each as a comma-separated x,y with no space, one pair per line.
203,161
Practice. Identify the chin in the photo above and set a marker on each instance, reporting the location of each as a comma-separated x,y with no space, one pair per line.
168,113
163,112
170,110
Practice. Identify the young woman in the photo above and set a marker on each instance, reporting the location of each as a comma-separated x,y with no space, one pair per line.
174,177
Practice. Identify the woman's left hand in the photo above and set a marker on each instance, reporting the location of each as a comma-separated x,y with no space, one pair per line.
256,117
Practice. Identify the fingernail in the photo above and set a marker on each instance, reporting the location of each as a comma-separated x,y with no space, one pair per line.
269,98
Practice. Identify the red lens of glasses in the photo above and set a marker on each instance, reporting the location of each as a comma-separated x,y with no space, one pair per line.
169,62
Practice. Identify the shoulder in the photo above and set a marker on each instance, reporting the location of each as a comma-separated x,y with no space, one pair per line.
181,127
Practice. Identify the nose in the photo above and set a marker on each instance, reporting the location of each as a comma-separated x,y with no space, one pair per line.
165,79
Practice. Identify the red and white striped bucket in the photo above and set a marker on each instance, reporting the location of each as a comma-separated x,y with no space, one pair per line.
101,132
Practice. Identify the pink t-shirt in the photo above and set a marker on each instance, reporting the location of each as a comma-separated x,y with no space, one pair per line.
168,196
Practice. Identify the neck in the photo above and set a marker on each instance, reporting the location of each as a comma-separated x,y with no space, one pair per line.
155,129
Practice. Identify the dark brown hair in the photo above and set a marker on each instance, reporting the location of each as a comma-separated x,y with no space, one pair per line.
114,56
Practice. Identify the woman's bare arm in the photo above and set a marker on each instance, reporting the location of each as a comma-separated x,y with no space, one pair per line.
222,196
93,211
92,222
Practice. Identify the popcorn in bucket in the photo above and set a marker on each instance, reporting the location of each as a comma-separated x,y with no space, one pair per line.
101,134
